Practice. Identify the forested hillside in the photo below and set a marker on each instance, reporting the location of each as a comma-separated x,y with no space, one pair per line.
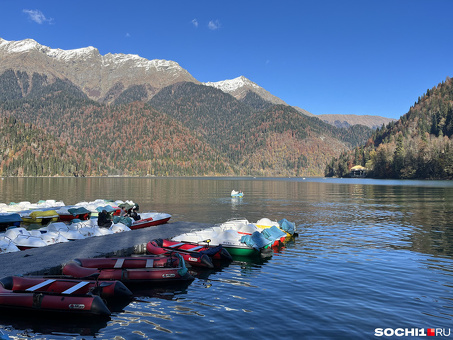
129,139
26,150
419,145
185,130
276,141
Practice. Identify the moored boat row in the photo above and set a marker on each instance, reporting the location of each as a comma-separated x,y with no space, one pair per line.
47,211
171,261
63,223
193,253
239,236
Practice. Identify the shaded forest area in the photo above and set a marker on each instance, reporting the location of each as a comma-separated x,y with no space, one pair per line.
418,146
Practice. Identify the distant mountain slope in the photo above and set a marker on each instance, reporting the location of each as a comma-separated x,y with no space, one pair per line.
258,98
345,121
280,141
101,78
131,139
251,138
418,145
206,109
196,130
305,112
256,102
132,116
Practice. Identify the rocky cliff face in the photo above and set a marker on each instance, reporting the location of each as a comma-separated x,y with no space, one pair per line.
102,78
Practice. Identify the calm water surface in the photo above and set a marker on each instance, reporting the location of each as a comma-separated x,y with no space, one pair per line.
370,254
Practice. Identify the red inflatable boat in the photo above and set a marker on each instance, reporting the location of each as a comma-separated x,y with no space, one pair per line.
105,289
216,253
37,299
147,269
194,258
143,262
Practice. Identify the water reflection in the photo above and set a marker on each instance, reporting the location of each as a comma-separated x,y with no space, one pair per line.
29,327
369,253
166,293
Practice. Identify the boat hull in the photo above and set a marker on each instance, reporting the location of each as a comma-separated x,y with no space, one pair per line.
129,262
215,252
150,221
242,251
69,217
9,220
52,284
38,216
38,302
130,270
193,258
131,276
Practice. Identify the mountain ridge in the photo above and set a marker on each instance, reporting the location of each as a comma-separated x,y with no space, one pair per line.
126,124
95,74
104,78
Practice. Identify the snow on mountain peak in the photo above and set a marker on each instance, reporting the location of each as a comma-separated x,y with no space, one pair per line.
28,45
157,64
231,85
18,46
84,53
78,53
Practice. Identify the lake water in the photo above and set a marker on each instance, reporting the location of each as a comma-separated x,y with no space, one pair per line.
370,254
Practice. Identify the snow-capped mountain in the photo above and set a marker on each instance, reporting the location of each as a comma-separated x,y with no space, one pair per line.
102,78
105,78
239,87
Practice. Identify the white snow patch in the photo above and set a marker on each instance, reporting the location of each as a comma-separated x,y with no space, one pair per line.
107,60
230,85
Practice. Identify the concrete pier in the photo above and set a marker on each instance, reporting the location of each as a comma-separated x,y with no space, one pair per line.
49,260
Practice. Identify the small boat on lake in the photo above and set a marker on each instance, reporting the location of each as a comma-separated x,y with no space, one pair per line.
235,193
132,270
7,245
23,239
238,237
39,216
150,219
288,227
60,285
194,258
161,246
68,213
41,298
228,239
9,220
78,230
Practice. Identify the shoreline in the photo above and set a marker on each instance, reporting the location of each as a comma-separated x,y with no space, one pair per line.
49,260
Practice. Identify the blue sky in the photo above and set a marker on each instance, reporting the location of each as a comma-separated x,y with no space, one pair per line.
338,57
